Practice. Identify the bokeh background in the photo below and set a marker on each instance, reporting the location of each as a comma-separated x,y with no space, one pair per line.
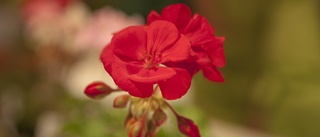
272,88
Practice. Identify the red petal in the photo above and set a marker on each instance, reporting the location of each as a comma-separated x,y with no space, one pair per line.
219,59
161,35
216,52
190,65
178,14
121,76
153,16
199,30
152,76
179,51
130,43
142,90
213,74
177,86
120,72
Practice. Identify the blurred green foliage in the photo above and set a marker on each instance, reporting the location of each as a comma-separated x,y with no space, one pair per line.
273,58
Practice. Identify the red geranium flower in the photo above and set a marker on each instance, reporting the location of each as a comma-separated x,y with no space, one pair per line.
136,55
207,48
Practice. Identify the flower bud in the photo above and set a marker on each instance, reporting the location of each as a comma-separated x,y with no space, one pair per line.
152,129
128,118
129,122
187,127
138,129
121,101
159,117
97,90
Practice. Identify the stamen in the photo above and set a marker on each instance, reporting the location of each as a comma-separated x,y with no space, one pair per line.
152,60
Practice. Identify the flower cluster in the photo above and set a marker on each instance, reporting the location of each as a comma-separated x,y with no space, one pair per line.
168,52
156,62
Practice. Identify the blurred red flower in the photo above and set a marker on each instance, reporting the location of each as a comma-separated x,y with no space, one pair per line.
32,8
207,49
135,58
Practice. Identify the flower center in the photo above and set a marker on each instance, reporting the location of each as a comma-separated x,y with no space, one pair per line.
152,60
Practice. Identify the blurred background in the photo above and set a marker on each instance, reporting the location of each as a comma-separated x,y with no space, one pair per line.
49,52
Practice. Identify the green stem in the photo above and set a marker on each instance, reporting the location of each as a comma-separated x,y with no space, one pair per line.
171,108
